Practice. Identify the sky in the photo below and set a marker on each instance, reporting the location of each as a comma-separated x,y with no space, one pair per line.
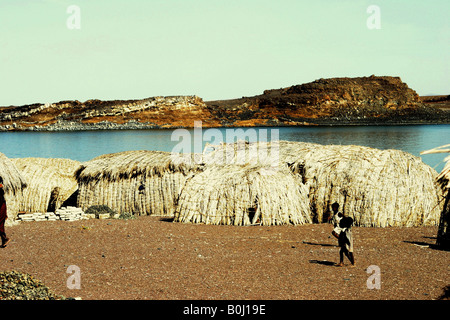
215,49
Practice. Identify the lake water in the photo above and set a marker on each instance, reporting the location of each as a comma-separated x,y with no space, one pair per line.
85,145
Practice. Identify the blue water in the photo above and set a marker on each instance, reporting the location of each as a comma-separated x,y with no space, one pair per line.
85,145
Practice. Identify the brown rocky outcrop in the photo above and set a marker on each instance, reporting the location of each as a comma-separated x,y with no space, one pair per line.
334,101
363,100
440,102
155,112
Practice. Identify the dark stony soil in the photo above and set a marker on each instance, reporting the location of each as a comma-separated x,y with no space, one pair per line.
154,258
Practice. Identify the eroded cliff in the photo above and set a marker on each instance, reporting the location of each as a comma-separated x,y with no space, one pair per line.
334,101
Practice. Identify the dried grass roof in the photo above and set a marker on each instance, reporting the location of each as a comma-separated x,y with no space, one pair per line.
127,164
256,153
443,177
375,187
10,177
229,194
43,176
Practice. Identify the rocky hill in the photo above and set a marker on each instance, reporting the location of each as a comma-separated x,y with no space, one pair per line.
364,100
439,102
155,112
334,101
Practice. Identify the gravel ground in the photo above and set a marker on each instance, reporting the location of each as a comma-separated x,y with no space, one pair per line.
153,258
21,286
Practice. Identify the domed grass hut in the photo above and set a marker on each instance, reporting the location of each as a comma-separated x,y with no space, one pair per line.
51,183
13,183
443,236
243,195
378,188
135,182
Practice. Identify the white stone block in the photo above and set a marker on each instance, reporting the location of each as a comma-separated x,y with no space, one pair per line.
103,216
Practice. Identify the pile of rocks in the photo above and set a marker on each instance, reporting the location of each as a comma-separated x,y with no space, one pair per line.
16,285
64,213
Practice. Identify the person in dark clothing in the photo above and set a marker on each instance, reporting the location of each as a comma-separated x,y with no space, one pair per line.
337,216
3,217
345,240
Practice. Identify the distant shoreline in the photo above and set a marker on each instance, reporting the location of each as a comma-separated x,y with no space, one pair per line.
105,126
360,101
115,127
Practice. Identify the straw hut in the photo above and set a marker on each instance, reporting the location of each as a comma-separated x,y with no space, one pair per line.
51,183
13,183
378,188
138,182
243,195
375,187
443,236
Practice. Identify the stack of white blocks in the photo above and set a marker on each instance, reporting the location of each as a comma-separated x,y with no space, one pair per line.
70,213
64,213
28,216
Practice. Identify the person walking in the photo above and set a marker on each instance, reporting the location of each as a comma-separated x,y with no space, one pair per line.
345,241
3,217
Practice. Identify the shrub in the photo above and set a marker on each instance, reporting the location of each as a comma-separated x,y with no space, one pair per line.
126,216
100,209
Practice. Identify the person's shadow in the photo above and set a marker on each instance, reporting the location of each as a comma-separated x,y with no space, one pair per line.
426,244
323,262
319,244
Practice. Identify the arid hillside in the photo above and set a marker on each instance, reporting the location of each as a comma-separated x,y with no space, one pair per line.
439,102
364,100
334,101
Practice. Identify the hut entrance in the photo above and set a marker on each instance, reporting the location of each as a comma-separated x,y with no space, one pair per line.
53,200
71,201
253,212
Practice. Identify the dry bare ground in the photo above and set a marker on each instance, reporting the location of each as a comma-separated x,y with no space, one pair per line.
151,258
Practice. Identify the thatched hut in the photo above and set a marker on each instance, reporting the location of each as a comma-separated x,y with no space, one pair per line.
13,183
243,195
443,236
376,187
51,183
138,182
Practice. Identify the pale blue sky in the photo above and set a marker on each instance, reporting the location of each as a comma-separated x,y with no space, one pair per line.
132,49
